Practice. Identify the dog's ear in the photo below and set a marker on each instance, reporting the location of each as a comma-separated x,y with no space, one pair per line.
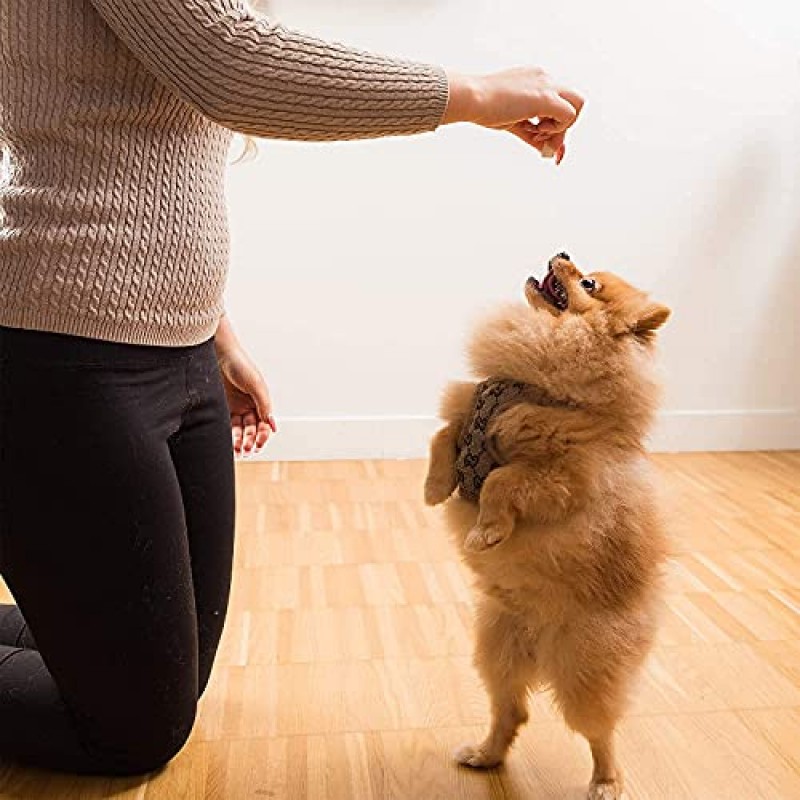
650,320
642,320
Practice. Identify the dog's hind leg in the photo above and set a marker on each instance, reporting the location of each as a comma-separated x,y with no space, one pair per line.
592,705
508,670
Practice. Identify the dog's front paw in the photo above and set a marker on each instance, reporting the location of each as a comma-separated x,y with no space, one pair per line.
438,488
484,537
605,790
475,756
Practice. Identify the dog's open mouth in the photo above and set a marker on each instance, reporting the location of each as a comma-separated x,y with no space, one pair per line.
551,288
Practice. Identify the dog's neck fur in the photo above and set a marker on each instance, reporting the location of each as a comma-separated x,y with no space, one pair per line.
574,360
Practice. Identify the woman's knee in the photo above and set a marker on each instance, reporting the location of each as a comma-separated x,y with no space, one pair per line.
144,743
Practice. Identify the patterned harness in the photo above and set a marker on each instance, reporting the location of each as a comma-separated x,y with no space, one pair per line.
477,455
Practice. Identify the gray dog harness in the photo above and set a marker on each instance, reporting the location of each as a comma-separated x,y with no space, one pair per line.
477,454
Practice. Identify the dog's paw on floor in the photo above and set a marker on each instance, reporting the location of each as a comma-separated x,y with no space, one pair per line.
470,755
609,790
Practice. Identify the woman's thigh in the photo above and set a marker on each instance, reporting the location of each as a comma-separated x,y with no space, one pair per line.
203,457
93,537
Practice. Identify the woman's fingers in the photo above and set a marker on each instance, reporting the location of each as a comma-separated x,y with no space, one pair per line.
529,134
266,421
551,124
557,113
259,391
548,146
262,435
249,433
250,422
555,144
237,432
573,98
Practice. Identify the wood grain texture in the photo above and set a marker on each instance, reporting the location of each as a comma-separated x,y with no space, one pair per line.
345,669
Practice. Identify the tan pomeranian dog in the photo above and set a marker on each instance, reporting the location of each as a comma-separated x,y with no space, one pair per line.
556,512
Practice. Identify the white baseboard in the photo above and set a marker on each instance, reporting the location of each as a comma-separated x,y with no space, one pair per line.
687,431
344,438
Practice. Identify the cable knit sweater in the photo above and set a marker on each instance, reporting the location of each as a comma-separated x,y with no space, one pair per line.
115,121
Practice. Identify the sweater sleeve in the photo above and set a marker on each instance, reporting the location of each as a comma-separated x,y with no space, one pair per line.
260,78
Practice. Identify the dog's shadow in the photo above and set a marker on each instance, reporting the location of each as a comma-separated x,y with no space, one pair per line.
507,781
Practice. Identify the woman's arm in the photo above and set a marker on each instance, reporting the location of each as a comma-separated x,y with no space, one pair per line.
260,78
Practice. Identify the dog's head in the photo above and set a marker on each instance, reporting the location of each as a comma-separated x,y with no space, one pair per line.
604,299
586,338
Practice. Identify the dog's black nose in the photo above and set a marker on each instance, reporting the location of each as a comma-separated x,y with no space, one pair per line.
565,256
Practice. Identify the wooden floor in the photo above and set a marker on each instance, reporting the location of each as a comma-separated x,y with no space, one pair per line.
345,669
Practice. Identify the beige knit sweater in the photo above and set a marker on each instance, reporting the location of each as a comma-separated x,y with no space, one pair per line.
116,120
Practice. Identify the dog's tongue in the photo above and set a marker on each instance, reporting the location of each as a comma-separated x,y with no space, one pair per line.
553,290
550,283
551,287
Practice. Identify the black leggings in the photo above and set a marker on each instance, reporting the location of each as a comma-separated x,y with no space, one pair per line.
116,538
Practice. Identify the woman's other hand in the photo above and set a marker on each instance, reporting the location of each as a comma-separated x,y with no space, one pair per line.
252,422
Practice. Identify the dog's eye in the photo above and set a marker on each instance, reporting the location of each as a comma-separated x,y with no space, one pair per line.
588,284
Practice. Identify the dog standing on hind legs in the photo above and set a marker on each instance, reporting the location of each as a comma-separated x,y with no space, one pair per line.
556,513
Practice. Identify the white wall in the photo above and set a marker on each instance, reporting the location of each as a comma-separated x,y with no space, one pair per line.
358,267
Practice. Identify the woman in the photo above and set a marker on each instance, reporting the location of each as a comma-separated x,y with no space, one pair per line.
116,540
